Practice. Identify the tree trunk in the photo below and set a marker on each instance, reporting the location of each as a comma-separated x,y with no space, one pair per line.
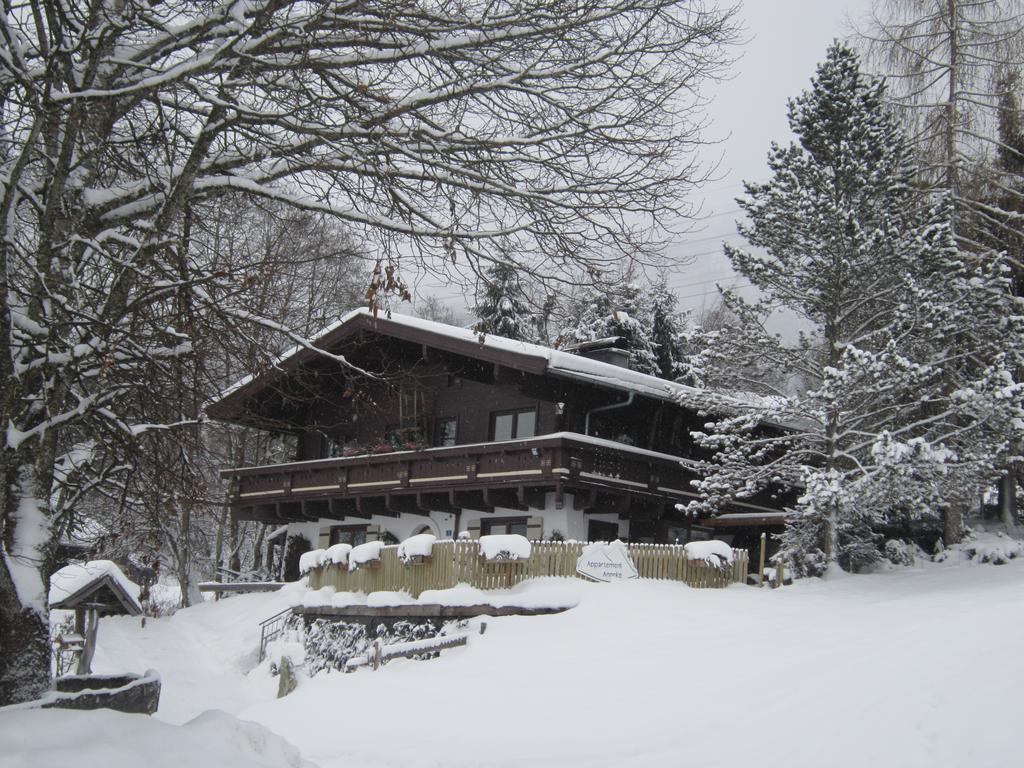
25,644
24,571
1008,497
234,545
953,522
257,548
218,550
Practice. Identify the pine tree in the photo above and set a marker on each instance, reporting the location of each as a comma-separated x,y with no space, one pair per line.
502,308
904,378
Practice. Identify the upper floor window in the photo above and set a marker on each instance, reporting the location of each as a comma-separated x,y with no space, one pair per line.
514,425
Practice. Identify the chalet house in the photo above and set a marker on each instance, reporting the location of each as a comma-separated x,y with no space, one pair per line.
432,428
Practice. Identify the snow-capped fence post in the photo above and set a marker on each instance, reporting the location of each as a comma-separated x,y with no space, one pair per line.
453,562
760,565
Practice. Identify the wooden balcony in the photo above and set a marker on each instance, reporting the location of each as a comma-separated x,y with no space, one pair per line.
513,474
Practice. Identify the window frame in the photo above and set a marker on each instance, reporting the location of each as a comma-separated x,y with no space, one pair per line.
514,412
486,523
337,529
438,422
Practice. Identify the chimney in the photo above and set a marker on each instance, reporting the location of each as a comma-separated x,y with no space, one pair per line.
610,350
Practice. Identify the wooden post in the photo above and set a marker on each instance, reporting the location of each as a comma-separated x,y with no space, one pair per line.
760,567
780,572
91,626
375,654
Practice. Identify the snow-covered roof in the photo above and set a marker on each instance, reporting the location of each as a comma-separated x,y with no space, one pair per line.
80,584
546,360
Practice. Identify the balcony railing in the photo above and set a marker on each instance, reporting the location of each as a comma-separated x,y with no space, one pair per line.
564,458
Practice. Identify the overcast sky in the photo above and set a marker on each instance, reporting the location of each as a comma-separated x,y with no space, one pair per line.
785,41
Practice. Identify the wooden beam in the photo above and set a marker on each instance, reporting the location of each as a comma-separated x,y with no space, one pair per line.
343,508
473,499
403,504
373,505
502,497
435,501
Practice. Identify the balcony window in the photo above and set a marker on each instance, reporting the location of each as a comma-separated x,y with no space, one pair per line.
514,425
445,431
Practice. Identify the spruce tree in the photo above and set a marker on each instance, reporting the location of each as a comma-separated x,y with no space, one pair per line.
902,385
668,331
602,313
502,308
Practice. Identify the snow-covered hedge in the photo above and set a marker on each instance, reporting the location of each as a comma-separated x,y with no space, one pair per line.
505,546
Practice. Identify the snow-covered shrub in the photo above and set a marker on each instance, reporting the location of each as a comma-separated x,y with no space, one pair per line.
802,546
983,547
899,552
329,644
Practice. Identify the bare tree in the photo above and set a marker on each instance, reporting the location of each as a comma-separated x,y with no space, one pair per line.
949,64
432,308
428,128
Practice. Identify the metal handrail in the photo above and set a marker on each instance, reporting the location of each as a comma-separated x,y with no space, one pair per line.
270,629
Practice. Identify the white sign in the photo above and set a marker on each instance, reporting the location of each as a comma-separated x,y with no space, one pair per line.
606,562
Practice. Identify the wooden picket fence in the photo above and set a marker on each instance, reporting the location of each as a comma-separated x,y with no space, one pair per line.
455,562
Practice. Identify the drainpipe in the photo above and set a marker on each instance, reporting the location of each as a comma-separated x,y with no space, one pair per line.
628,401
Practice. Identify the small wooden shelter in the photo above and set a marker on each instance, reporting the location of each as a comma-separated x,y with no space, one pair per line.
96,589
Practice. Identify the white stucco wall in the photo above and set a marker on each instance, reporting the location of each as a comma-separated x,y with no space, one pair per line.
570,523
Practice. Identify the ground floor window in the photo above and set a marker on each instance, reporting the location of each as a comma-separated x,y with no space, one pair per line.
348,534
498,525
602,530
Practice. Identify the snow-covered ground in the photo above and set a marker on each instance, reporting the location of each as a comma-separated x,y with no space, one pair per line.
913,667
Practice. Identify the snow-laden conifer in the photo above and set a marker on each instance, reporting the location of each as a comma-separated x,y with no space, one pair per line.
503,307
896,396
602,313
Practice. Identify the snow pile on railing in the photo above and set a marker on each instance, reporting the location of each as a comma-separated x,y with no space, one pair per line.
505,546
311,560
337,554
419,545
714,552
364,553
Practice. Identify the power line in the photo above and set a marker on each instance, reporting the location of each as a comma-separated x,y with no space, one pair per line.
710,291
709,238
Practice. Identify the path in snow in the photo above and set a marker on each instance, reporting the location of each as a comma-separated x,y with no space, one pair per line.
202,654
